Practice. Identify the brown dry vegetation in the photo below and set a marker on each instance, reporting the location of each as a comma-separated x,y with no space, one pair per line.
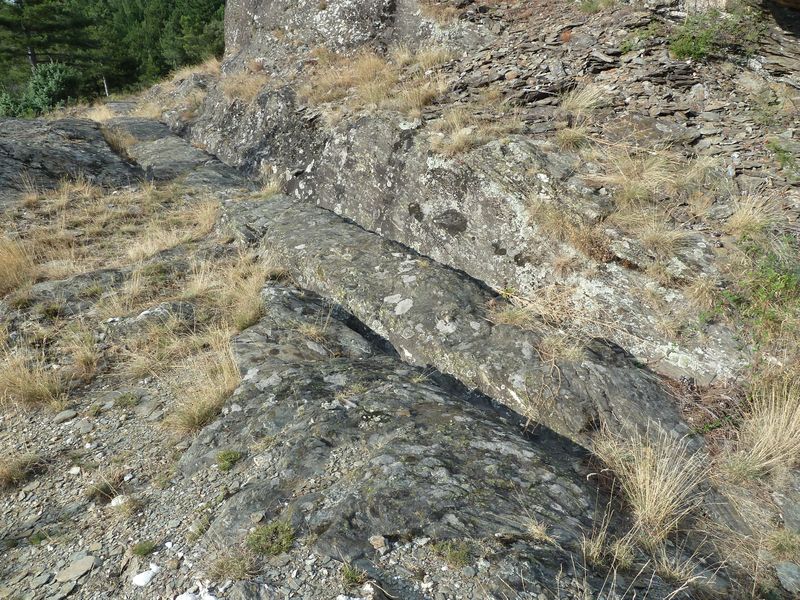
405,80
243,85
16,468
55,355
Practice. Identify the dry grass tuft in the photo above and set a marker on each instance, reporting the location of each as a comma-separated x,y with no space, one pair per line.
429,57
703,292
662,239
107,486
572,138
784,545
769,434
401,55
551,305
210,66
460,129
638,178
16,265
560,347
206,382
658,475
243,85
16,468
149,110
580,102
118,140
406,81
437,11
271,186
513,314
416,95
233,564
79,343
100,113
538,531
367,79
235,287
30,190
28,381
185,226
754,215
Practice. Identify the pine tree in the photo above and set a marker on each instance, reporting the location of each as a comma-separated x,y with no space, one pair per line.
43,30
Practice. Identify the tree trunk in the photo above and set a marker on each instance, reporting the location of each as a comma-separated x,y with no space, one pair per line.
32,58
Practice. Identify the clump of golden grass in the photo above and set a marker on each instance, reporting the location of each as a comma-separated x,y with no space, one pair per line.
551,305
28,381
210,66
149,110
658,475
154,240
100,113
560,346
416,95
580,102
638,177
784,545
235,287
538,531
673,567
233,564
753,216
600,549
30,191
107,486
703,292
271,185
401,54
124,300
243,292
461,129
16,468
184,226
428,57
769,434
205,383
119,140
316,332
16,265
369,80
364,75
662,239
572,138
79,343
440,12
73,190
243,85
512,314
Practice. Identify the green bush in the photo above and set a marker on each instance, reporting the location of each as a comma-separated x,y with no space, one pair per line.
714,34
9,107
51,85
271,539
767,295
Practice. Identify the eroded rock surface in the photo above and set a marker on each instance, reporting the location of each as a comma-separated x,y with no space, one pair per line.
40,154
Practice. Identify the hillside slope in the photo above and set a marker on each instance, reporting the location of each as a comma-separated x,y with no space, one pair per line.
413,299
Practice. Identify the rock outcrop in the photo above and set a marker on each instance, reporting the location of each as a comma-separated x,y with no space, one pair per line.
413,324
